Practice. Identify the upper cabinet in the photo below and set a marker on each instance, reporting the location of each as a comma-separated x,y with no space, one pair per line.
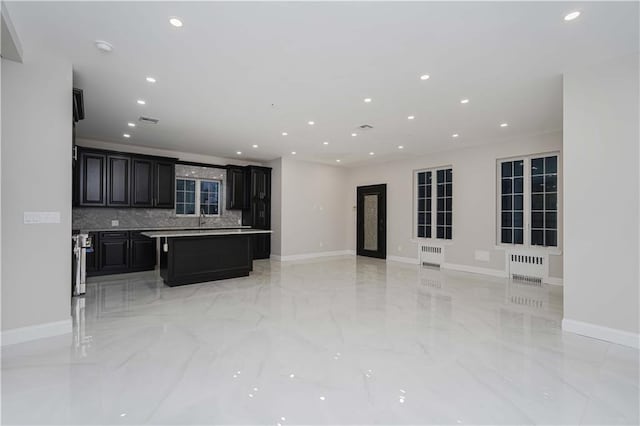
92,177
237,187
110,179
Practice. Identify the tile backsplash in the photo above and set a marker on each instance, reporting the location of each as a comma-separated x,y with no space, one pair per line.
89,218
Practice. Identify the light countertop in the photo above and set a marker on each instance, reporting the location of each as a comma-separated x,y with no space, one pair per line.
160,228
203,232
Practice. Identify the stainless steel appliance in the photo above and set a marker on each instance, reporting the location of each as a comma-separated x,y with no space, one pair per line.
81,243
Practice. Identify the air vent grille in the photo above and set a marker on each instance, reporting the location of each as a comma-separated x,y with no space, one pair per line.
148,120
366,127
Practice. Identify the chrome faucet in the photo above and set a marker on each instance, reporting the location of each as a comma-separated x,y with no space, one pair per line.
201,218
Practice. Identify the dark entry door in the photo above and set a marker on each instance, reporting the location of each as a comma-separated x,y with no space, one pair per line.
372,221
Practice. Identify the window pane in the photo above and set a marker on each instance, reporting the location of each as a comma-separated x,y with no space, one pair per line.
421,218
190,209
190,197
518,202
506,236
518,219
440,176
551,183
447,204
190,185
551,164
179,208
440,219
537,237
422,205
537,166
506,186
421,232
551,201
537,220
448,232
180,185
507,202
422,178
440,233
517,185
537,183
448,175
440,204
507,219
506,169
518,168
447,218
551,238
551,220
179,197
422,191
518,236
449,190
537,202
440,190
444,202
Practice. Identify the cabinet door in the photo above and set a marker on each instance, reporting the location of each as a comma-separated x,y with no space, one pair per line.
165,180
92,178
114,253
236,189
261,246
118,185
92,263
142,182
143,253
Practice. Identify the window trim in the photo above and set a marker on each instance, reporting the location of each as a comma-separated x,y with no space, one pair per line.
434,206
557,249
197,199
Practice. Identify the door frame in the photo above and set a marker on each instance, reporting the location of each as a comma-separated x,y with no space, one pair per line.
381,191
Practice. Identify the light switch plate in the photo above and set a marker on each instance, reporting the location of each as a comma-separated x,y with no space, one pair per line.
31,218
115,223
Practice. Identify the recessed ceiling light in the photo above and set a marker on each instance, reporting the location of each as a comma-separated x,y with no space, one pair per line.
176,22
337,161
131,124
325,143
400,147
571,16
105,46
311,123
285,134
367,100
411,117
142,102
354,134
372,153
504,125
254,146
455,135
239,152
293,153
151,79
464,101
126,135
424,77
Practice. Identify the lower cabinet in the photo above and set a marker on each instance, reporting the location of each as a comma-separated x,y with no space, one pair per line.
120,252
261,246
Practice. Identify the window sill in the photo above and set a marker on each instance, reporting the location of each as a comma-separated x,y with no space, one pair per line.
555,251
432,241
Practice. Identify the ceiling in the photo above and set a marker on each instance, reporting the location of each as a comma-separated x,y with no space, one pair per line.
239,74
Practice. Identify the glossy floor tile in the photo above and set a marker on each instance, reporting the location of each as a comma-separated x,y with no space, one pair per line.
333,341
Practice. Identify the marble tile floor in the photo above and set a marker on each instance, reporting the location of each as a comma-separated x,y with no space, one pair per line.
341,340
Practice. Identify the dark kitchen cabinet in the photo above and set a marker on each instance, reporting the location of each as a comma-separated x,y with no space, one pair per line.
114,252
164,184
237,188
143,252
118,182
92,179
142,182
258,213
92,261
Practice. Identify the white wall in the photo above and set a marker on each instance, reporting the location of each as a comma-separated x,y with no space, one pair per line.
313,208
276,206
474,200
36,176
601,138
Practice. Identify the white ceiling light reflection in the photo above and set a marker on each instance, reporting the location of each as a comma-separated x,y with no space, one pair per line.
292,376
322,398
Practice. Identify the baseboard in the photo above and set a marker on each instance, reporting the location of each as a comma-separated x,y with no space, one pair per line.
474,270
553,281
33,332
313,255
599,332
411,260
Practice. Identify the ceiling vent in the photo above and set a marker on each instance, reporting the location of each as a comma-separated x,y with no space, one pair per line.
365,127
148,120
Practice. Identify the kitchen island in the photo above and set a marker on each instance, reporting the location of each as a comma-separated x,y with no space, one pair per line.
194,256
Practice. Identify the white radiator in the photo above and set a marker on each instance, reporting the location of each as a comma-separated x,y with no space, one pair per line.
527,266
430,254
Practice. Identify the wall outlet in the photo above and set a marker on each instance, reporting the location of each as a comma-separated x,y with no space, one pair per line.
115,223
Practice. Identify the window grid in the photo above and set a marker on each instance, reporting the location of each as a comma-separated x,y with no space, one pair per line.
209,198
444,204
424,204
512,202
544,201
185,196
